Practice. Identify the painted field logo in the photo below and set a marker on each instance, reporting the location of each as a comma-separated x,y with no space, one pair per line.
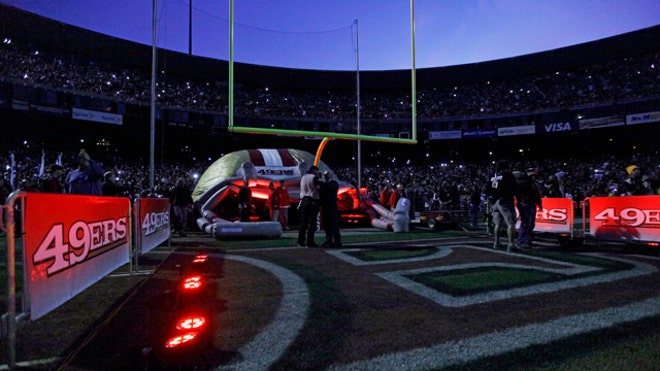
155,221
62,249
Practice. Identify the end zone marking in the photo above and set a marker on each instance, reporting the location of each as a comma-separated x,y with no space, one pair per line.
398,278
271,343
341,254
496,343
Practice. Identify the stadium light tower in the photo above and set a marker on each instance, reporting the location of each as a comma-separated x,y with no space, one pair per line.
190,8
152,116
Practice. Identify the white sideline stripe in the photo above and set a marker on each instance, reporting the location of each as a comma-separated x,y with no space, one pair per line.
497,343
272,342
136,273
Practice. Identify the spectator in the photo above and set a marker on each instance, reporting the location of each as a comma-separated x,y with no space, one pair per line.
635,184
502,190
552,188
86,179
51,183
111,186
181,203
5,190
245,202
273,203
475,203
285,204
308,207
384,195
395,196
329,212
26,185
528,199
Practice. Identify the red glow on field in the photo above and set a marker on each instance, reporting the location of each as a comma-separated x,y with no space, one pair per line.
200,259
191,323
181,339
654,244
192,283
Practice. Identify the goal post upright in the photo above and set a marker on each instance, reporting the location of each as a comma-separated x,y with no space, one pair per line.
303,133
413,78
230,103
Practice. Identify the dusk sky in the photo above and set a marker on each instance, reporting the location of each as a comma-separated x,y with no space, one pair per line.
321,35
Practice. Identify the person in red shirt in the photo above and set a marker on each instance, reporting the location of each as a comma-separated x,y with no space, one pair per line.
285,204
385,194
396,195
51,183
272,203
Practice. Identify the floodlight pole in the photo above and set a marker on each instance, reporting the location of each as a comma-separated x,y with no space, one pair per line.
152,116
359,127
190,8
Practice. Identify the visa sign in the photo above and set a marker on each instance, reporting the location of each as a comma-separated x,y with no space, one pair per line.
555,127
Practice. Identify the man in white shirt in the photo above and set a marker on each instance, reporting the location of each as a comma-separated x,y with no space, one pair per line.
308,207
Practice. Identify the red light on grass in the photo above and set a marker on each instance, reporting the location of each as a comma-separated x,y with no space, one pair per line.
200,259
192,283
191,323
654,244
181,339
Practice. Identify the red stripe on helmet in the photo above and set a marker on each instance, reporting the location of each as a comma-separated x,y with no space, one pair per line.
287,159
256,157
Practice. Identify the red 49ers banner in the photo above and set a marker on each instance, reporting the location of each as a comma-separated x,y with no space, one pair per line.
632,218
152,223
557,216
71,242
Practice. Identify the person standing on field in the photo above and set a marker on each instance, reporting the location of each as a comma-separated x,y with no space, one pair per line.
501,191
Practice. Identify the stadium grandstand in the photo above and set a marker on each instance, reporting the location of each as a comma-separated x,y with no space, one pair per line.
61,85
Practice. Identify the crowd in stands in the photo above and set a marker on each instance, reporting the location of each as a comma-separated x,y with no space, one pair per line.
618,79
428,186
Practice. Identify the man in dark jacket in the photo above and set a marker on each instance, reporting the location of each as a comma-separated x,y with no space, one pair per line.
528,199
181,204
244,201
329,212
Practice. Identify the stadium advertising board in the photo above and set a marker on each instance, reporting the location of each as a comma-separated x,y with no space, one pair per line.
152,223
643,118
555,127
479,133
97,116
71,242
448,134
631,218
557,216
601,122
516,130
